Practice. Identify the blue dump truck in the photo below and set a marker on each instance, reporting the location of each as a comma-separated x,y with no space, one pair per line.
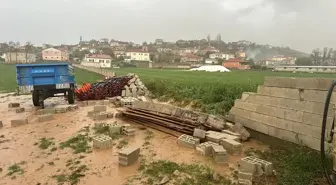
46,80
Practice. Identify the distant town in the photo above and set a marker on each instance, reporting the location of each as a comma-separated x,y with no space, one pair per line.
111,53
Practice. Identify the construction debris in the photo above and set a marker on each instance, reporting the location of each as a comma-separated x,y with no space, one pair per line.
125,86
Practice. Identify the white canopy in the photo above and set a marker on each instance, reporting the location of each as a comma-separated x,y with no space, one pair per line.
211,68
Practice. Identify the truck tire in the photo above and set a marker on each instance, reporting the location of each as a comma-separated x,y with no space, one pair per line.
71,96
35,96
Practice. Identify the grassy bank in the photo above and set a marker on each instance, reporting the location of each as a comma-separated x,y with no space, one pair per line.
8,77
211,92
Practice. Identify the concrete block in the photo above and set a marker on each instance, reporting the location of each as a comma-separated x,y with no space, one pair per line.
231,132
73,107
279,92
19,109
245,176
100,116
206,148
13,105
255,166
110,114
244,182
46,111
123,93
99,108
18,122
91,113
215,122
118,115
92,102
106,102
217,136
128,156
219,154
102,142
1,124
238,128
45,117
112,100
99,124
115,128
61,108
199,133
233,147
188,141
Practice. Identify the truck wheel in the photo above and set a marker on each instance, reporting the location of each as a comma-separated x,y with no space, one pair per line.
35,96
71,96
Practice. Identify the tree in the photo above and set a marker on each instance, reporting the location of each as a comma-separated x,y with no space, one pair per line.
28,49
209,39
304,61
316,56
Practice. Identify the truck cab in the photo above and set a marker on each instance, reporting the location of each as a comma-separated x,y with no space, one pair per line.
46,80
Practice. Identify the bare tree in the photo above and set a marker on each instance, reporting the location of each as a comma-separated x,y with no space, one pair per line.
316,56
28,49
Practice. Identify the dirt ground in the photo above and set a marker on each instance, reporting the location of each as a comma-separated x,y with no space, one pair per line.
18,145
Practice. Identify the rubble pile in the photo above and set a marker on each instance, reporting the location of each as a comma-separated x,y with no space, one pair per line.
125,86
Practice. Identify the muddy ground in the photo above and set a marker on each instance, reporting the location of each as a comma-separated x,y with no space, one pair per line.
20,147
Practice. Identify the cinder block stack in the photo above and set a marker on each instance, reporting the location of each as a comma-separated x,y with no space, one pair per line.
286,108
188,141
102,142
206,148
127,130
134,88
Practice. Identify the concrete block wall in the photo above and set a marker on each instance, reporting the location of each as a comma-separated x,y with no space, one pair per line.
287,108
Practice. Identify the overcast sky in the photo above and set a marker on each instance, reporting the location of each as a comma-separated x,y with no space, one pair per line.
300,24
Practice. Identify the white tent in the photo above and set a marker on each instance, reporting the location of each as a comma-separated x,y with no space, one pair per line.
211,68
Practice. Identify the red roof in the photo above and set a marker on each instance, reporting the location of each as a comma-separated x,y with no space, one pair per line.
98,56
137,51
234,60
189,55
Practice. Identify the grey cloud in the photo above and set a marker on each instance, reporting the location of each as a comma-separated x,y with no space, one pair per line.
301,24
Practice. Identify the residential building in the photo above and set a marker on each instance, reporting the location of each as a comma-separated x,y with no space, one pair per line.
164,50
19,57
235,63
53,54
191,58
103,61
211,61
115,43
120,53
138,54
158,41
241,54
209,49
184,51
279,57
223,56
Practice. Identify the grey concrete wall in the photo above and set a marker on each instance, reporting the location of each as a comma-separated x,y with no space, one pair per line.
287,108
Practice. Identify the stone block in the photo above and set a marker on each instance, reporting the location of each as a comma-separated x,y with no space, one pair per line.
128,156
102,142
245,176
215,122
19,109
206,148
45,117
219,154
199,133
233,147
46,111
188,141
13,105
18,122
99,108
100,116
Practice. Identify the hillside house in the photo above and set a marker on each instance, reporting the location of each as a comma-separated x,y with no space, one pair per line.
19,57
137,54
235,63
191,58
52,54
115,43
211,61
223,56
209,49
158,41
97,60
164,50
119,53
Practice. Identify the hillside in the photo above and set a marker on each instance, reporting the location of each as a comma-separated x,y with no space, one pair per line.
261,52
